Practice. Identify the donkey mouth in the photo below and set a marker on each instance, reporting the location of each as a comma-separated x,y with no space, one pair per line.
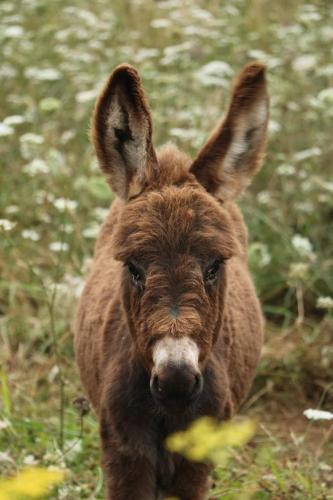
175,405
175,396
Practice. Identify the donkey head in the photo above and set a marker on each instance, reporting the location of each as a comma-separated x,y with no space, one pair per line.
175,232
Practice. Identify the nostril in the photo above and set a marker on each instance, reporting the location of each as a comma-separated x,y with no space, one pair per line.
154,384
198,384
175,383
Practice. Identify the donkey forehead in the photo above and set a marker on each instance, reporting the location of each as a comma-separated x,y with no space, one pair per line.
176,219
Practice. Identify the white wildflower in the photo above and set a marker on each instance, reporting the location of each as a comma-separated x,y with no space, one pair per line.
30,234
323,71
172,52
325,303
328,185
318,414
160,23
44,217
42,196
326,356
5,130
58,246
304,206
200,31
74,284
214,73
327,32
306,185
30,145
54,372
260,254
30,460
6,224
91,232
12,209
325,467
264,197
88,17
36,166
302,245
3,424
202,15
68,228
7,71
101,213
273,126
184,134
326,96
43,74
63,493
86,95
298,270
55,456
305,62
63,204
324,198
143,54
286,169
72,448
307,153
14,120
5,457
169,4
258,54
15,31
32,138
67,290
56,161
307,17
66,136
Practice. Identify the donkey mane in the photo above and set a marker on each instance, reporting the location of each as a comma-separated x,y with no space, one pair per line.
174,165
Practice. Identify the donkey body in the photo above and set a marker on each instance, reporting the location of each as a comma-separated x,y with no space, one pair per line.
169,327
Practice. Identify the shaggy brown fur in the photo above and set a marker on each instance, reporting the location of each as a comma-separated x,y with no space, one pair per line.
170,262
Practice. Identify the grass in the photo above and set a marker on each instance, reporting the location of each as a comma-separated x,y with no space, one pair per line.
55,57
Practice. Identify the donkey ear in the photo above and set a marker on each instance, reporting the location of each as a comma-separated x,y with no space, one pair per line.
122,133
233,154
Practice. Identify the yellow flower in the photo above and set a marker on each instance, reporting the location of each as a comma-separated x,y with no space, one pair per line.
208,440
30,483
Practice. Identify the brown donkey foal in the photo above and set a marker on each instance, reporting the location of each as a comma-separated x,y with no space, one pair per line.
169,327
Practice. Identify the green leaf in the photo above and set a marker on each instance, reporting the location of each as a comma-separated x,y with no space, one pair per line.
7,403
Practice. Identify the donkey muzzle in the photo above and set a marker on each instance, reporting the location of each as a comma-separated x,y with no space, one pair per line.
176,375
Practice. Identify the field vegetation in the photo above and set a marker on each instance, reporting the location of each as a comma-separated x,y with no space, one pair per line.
55,55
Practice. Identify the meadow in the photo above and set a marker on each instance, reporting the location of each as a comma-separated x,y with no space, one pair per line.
55,56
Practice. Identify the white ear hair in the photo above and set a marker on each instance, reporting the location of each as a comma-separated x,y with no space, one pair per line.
122,131
227,163
247,126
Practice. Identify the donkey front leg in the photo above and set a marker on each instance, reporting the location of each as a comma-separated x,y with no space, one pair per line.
128,477
128,473
191,481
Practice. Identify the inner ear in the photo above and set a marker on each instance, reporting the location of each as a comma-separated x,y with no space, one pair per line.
121,129
128,130
233,154
122,133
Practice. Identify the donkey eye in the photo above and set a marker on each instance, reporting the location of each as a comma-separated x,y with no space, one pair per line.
212,270
135,273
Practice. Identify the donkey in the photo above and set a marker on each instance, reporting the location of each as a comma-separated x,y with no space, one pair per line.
169,327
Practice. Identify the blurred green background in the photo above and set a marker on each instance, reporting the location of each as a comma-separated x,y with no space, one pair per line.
55,56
